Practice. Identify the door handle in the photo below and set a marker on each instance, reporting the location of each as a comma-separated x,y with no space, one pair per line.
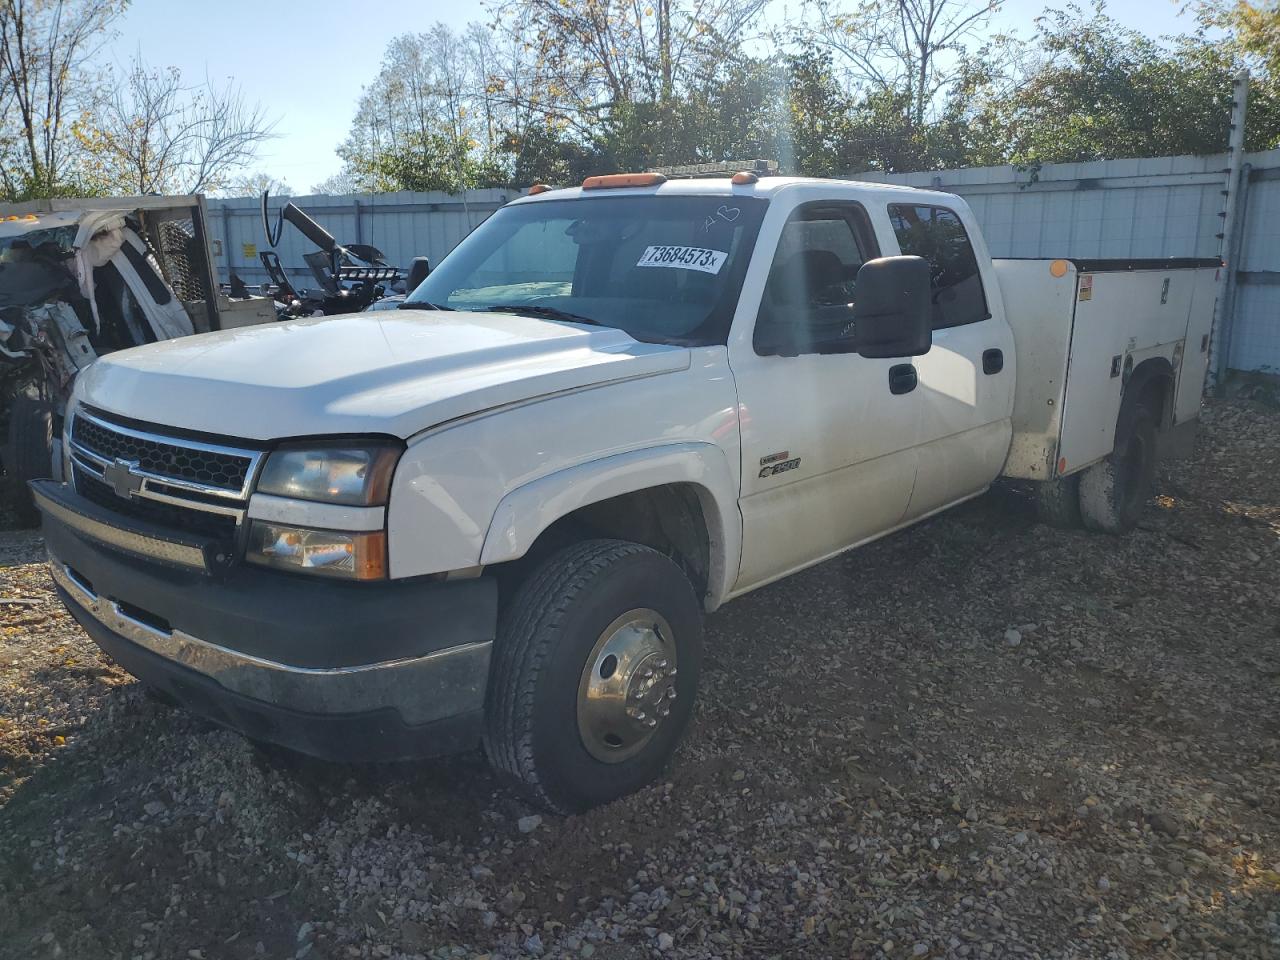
992,361
902,378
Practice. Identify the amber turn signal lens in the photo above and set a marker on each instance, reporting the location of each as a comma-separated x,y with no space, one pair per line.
614,180
331,553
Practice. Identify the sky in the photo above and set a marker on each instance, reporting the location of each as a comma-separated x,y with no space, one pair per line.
306,60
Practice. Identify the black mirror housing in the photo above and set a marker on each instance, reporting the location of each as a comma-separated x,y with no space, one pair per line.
419,270
893,312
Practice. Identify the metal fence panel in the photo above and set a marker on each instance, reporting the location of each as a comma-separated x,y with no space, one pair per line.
1124,209
402,225
1255,340
1134,209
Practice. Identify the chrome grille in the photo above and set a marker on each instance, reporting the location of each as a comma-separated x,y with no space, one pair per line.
219,526
182,485
221,468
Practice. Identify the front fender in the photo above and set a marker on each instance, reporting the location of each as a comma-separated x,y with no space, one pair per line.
524,513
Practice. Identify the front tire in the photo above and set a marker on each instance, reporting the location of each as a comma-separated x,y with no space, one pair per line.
594,674
1114,491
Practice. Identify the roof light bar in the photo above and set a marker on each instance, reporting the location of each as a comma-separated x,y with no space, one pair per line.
722,168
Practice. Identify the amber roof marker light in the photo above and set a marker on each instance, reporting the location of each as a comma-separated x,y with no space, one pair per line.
538,188
744,177
613,181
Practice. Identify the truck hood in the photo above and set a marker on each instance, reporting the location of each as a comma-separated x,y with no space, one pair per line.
388,372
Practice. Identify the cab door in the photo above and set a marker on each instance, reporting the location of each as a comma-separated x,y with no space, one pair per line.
828,436
966,380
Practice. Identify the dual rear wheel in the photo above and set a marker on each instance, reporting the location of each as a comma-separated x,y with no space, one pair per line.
1108,496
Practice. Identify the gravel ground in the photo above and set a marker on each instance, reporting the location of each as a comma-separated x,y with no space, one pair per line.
980,738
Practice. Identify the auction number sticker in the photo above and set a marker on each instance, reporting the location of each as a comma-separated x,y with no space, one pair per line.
683,258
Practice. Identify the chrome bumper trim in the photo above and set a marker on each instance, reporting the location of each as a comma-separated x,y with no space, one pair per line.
422,689
182,554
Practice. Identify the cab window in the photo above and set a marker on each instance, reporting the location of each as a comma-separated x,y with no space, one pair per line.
807,305
937,234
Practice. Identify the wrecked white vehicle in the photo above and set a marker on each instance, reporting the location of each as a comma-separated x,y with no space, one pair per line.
81,278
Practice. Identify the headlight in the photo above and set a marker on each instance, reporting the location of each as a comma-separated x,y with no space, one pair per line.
356,475
353,556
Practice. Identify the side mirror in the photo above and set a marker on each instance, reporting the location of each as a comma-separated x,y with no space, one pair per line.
418,271
893,313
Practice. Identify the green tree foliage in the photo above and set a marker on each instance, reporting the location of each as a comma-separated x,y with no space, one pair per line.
557,90
1254,29
1103,91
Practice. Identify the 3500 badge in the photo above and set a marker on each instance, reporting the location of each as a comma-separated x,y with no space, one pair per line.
773,469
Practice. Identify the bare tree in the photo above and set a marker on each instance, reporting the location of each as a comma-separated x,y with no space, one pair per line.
615,51
45,49
253,184
431,85
339,183
900,46
156,135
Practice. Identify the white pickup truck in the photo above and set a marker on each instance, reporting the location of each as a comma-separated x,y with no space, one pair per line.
497,515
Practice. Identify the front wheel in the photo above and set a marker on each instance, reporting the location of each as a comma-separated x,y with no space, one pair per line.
594,674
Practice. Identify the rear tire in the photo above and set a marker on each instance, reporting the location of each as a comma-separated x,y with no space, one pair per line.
602,638
1058,502
30,453
1114,491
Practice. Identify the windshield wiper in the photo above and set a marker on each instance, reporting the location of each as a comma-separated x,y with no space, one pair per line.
422,305
551,313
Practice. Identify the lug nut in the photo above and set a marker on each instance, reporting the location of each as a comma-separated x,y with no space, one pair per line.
651,722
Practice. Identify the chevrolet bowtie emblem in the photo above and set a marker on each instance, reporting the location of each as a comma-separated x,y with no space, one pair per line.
119,476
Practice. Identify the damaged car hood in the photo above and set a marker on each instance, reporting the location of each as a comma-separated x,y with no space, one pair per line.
392,372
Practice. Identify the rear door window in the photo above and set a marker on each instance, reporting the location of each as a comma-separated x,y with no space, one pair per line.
937,234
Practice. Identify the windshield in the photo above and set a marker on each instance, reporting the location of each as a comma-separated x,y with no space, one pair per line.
664,269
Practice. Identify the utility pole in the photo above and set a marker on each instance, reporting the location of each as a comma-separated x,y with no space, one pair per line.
1232,221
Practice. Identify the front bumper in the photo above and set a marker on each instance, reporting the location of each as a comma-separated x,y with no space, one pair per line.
341,671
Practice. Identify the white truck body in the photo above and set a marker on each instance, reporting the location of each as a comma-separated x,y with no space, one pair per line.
742,462
1070,331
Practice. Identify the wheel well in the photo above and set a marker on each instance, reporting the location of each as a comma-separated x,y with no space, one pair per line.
668,518
1151,383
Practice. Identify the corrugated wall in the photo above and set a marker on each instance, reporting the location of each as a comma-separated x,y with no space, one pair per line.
1161,207
1255,334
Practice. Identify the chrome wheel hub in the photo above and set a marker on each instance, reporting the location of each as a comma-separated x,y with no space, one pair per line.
628,686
